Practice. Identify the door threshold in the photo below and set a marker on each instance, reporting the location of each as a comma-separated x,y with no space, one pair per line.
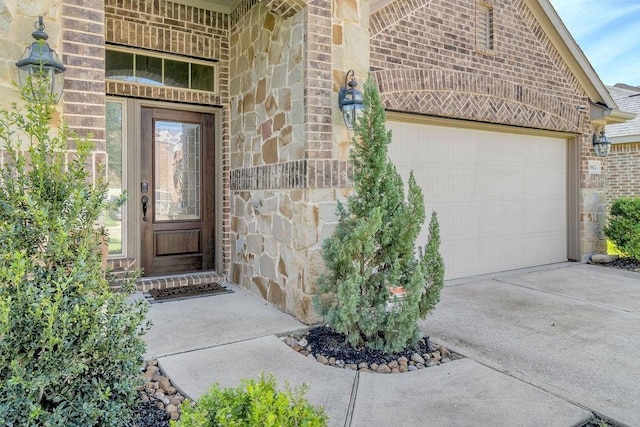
180,279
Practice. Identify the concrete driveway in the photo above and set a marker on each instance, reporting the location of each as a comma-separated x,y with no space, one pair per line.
572,330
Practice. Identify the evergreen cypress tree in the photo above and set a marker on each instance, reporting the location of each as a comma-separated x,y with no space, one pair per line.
372,251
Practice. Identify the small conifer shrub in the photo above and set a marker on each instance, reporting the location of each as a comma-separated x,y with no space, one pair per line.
377,284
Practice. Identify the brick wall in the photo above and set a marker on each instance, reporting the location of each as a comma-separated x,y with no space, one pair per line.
163,26
174,28
318,94
83,101
623,167
428,49
425,58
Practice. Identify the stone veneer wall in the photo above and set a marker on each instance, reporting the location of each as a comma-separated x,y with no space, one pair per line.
523,81
267,151
286,169
17,20
164,26
623,169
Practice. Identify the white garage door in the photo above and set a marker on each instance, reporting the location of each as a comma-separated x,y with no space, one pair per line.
501,198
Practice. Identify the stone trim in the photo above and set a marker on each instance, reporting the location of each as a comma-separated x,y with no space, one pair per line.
302,174
477,97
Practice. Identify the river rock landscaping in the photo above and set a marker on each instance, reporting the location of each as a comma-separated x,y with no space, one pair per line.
159,399
326,346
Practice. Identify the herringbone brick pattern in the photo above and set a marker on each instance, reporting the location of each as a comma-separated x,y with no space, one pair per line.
466,96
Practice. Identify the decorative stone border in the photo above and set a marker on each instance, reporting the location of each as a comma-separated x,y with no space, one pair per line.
438,356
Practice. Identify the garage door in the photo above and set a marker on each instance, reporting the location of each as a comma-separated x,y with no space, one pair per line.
501,197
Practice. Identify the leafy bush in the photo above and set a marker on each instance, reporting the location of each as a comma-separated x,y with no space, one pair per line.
253,403
372,252
70,349
624,226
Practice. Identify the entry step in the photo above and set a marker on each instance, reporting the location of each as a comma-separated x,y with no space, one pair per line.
178,280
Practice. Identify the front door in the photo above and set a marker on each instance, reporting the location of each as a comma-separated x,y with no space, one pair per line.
176,192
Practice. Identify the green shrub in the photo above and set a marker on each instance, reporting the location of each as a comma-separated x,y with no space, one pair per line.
70,349
253,403
372,251
624,226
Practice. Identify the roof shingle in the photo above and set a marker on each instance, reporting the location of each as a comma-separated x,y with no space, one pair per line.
628,99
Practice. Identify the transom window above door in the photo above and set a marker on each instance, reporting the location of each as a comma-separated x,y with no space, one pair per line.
150,68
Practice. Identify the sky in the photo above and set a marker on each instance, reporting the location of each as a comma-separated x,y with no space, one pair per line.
608,32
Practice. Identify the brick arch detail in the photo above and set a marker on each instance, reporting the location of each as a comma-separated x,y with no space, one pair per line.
283,8
468,96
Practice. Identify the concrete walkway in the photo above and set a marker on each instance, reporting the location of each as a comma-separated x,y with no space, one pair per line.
544,348
573,331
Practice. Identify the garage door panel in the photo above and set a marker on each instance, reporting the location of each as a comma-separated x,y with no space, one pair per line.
493,183
457,221
500,197
544,218
440,182
545,184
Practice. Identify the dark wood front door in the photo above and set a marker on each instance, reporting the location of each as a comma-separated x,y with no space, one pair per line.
176,188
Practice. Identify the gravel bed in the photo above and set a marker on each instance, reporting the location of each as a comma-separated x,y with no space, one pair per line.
159,399
629,264
326,346
598,421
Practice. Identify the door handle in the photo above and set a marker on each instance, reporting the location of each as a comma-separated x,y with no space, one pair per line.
145,201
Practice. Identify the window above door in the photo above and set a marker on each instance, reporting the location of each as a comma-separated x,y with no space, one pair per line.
154,69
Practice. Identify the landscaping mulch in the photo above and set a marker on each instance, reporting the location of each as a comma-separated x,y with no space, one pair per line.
326,346
629,264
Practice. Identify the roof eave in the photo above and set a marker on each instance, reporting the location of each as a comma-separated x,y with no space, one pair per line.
627,139
600,114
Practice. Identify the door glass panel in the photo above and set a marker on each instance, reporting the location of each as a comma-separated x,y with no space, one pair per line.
177,169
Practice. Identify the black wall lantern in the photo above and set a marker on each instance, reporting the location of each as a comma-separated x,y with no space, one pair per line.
40,67
350,100
601,144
